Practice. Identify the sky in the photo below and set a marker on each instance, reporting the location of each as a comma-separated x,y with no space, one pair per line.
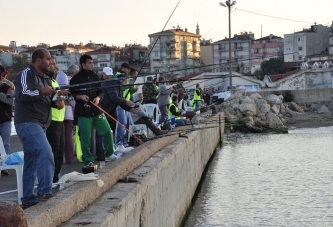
117,22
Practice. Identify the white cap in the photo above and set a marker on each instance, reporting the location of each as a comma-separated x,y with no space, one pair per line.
108,71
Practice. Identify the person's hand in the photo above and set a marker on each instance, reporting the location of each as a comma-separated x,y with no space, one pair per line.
129,103
63,93
134,110
47,90
136,89
82,97
60,105
96,100
152,117
69,103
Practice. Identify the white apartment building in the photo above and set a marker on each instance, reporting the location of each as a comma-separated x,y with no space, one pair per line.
310,41
240,53
176,52
103,57
68,54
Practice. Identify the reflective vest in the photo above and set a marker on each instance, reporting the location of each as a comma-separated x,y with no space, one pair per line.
128,91
169,112
57,115
196,96
157,90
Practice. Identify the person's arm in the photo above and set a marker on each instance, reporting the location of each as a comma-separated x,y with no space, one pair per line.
198,91
25,89
173,111
8,97
164,91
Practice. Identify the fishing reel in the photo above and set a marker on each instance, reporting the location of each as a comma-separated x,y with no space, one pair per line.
87,105
57,97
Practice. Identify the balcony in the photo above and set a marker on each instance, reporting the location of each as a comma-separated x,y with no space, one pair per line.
196,49
171,48
172,56
240,48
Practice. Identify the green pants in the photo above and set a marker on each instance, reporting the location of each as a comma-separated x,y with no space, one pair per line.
102,127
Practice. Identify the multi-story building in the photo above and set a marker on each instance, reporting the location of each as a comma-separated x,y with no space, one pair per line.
206,55
330,41
265,48
297,45
68,54
176,52
240,53
104,57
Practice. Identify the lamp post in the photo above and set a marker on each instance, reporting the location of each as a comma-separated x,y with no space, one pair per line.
229,4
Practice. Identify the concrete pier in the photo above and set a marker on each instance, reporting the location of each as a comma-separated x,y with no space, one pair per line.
168,173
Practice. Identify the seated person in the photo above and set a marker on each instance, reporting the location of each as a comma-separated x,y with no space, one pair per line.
142,117
173,111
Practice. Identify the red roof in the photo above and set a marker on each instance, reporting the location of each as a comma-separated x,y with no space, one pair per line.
276,77
189,76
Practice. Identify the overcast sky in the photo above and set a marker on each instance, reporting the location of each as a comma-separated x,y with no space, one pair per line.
116,22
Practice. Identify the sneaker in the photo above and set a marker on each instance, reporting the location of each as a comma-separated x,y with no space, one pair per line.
4,172
27,205
111,158
127,149
118,153
44,197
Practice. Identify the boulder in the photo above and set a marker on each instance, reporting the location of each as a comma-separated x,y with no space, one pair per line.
260,102
248,108
275,109
248,100
264,109
274,100
323,110
273,120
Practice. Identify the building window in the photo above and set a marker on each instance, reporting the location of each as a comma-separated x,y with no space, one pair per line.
300,48
157,70
299,38
300,57
256,51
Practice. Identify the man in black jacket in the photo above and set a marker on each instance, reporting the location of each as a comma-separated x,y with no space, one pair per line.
33,101
89,115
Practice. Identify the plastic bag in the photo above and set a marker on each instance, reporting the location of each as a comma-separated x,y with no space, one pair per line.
16,158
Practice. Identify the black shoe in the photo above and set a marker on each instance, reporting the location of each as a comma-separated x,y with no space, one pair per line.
4,172
27,205
44,197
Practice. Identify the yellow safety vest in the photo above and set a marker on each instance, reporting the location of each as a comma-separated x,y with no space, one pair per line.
57,115
196,96
169,112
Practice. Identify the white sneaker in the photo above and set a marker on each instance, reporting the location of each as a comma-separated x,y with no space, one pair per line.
120,147
111,158
127,149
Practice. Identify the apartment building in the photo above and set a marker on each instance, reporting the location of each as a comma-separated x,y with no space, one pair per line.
265,48
68,54
240,53
310,41
176,51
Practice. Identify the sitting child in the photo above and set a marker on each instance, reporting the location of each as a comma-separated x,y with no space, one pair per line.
142,117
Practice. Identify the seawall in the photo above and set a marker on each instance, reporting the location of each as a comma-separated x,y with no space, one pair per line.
168,174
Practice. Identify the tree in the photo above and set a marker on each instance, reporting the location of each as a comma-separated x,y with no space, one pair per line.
258,74
19,64
273,66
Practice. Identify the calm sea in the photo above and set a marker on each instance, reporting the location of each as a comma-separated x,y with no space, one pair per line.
269,180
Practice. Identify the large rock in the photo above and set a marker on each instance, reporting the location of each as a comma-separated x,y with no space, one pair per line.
264,109
273,120
248,100
323,110
248,108
12,215
248,121
261,102
274,100
275,109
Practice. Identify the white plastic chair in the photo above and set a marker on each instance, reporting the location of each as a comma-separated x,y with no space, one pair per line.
134,127
19,173
150,111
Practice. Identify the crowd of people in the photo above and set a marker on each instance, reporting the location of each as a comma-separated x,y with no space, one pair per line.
45,115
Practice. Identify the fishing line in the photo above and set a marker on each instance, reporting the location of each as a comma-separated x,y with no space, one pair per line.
98,107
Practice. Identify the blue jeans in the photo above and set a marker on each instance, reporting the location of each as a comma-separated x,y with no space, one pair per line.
181,122
121,115
197,105
38,161
5,130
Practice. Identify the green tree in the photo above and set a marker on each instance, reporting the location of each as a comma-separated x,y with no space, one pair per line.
19,63
258,74
273,66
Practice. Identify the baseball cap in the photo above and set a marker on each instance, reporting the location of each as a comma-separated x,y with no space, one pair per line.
125,65
108,71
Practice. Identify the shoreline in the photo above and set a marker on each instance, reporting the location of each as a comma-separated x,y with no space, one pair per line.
309,120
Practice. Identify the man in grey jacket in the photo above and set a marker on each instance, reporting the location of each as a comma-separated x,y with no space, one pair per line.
163,100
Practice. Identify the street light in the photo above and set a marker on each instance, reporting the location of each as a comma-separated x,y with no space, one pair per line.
229,4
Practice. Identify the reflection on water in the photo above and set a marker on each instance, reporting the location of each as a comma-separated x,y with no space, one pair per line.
292,186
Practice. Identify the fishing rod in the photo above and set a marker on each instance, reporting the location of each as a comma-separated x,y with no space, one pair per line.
115,120
155,43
